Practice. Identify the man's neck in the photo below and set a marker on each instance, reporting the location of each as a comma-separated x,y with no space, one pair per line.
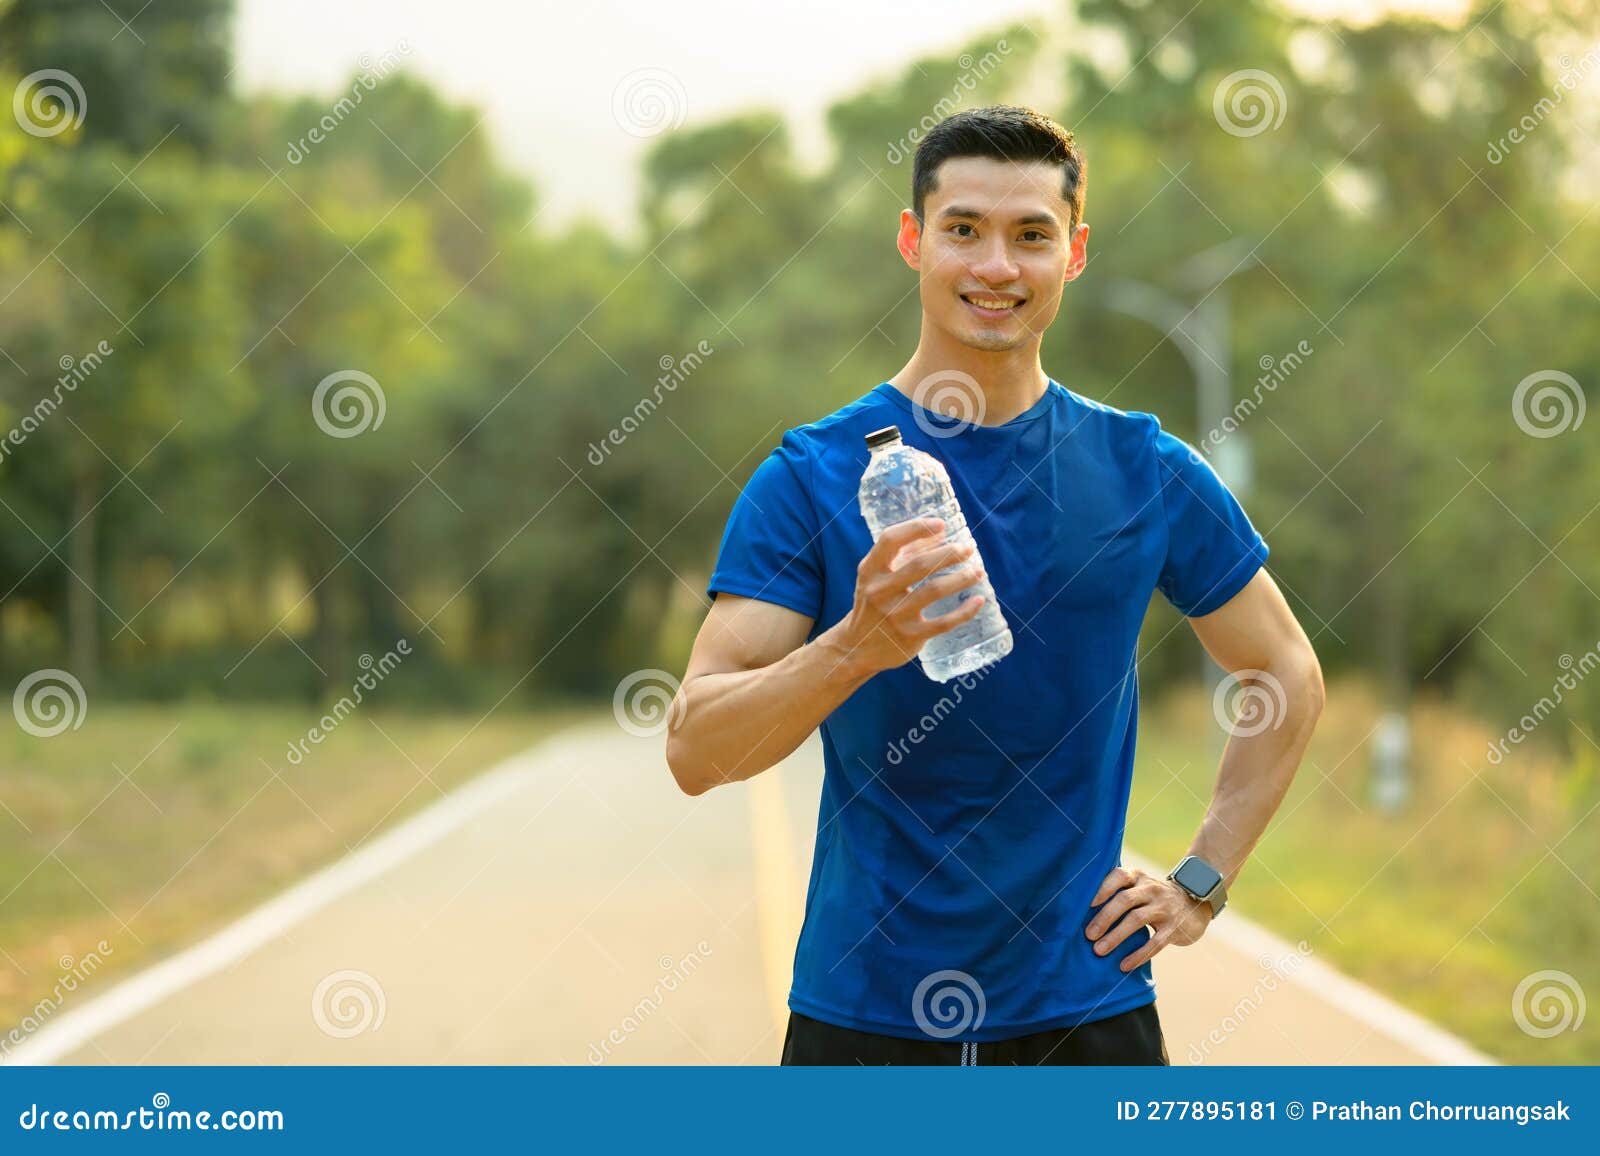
1011,381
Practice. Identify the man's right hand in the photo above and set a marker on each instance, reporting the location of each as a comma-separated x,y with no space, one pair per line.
885,628
755,688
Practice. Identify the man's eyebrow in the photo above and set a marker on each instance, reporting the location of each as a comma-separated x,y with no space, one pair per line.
955,212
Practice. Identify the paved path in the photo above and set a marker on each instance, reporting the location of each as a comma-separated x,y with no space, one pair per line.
573,907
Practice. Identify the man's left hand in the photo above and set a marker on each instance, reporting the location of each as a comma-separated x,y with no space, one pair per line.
1133,899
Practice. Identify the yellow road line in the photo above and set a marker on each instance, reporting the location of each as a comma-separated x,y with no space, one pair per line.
779,889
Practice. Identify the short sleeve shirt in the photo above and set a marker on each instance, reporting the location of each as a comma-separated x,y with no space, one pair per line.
965,826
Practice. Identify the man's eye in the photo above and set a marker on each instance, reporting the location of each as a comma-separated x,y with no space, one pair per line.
1033,234
953,229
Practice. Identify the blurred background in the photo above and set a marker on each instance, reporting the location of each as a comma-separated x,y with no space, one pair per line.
376,379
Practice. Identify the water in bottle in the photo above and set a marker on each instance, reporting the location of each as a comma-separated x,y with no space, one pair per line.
902,483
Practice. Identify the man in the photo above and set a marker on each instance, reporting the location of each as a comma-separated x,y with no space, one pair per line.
967,902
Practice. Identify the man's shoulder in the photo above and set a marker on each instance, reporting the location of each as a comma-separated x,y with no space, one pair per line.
843,420
1127,435
843,426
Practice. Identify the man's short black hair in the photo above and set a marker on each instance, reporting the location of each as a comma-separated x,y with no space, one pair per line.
1003,132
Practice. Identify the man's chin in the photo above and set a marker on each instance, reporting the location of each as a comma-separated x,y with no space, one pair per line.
993,340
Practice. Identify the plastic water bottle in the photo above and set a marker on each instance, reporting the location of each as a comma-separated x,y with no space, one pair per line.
902,483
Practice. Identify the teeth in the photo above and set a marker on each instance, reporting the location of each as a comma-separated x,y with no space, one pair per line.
989,303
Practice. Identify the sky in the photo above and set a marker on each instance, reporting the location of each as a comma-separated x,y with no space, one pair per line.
560,115
551,110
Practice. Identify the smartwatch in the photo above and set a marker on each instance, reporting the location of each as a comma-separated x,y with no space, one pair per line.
1202,881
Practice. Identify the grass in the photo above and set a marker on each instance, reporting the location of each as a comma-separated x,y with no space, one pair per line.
151,825
1486,875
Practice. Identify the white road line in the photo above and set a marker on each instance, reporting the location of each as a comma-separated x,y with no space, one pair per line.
1355,999
75,1028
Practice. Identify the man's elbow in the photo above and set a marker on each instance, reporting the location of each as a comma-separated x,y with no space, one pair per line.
685,767
1301,676
1318,693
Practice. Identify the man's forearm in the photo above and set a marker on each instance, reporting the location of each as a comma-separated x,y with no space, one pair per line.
733,726
1255,774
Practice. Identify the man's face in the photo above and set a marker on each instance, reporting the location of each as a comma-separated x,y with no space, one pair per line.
994,250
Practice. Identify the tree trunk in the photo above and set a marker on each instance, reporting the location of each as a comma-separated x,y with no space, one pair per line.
83,620
327,639
381,611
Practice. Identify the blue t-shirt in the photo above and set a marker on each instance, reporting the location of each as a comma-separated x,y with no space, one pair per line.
965,826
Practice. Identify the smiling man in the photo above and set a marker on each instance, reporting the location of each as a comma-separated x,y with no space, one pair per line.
967,902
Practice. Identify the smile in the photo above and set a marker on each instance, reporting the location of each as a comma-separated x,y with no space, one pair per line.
990,307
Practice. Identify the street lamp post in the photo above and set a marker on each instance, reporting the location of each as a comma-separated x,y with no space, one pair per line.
1200,332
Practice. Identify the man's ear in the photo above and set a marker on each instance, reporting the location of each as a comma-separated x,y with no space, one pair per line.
1078,256
909,240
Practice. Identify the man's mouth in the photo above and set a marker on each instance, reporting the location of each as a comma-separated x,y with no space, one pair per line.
991,307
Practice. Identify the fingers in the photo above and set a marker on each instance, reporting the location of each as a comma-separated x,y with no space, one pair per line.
959,579
901,595
1130,900
892,589
900,577
1115,880
949,621
1138,917
1147,951
896,538
909,569
1122,901
907,614
1126,902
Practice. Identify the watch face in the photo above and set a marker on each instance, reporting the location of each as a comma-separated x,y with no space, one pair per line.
1197,877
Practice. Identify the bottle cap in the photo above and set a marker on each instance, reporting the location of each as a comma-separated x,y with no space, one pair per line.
883,437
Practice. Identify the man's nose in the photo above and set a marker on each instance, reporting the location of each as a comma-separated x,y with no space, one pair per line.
995,265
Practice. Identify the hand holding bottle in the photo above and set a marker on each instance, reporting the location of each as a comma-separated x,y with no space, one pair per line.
885,628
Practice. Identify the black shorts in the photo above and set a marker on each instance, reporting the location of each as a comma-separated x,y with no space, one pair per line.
1133,1037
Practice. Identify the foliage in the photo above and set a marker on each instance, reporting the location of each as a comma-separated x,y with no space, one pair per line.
1420,533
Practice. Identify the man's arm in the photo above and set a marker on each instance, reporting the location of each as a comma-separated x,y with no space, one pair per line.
750,662
1255,638
754,688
